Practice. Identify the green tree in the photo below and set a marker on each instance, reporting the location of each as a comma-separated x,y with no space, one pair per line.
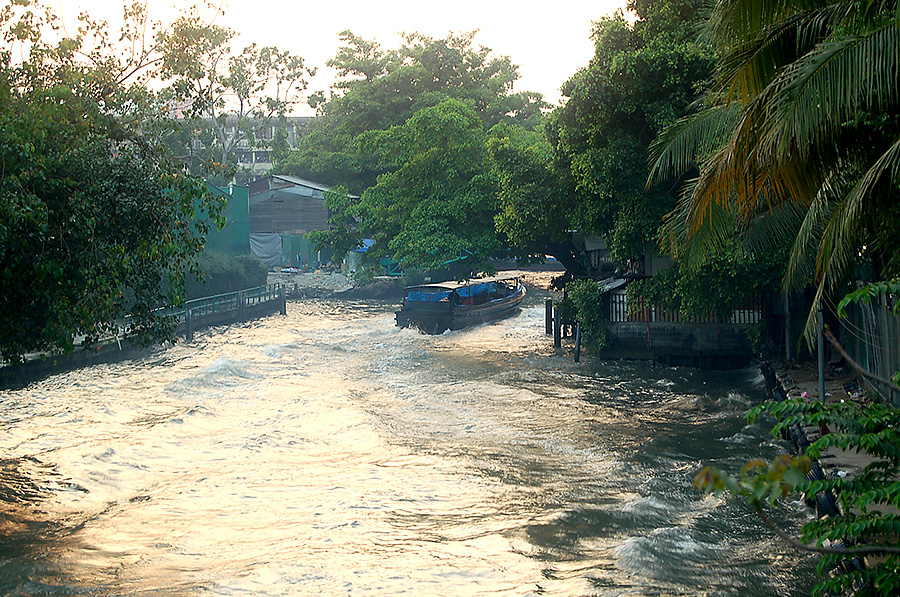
380,89
96,224
344,234
435,204
228,99
867,525
799,134
642,77
530,190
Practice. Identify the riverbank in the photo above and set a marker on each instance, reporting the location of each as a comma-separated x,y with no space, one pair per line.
312,284
195,314
802,381
852,503
298,286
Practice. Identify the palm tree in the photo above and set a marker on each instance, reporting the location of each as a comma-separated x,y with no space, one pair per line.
800,138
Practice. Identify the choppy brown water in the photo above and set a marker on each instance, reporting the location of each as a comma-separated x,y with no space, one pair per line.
329,453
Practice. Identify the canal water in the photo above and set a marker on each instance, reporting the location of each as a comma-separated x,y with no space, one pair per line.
329,453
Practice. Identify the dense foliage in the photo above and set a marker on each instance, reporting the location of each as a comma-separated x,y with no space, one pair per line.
796,146
531,196
434,206
222,274
408,131
380,89
642,77
586,305
587,172
868,524
799,135
95,222
717,286
436,203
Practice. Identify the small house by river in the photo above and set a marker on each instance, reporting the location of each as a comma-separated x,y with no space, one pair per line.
283,210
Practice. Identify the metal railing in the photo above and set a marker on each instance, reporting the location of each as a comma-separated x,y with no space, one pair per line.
190,316
621,311
231,301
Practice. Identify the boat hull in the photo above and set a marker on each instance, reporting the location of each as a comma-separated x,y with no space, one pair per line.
436,318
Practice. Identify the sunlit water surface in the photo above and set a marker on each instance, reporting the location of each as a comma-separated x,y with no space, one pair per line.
329,453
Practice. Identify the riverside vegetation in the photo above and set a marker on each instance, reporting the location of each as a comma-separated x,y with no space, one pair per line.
774,133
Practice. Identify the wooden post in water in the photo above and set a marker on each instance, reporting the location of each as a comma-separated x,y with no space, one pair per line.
557,328
188,323
283,295
242,305
578,342
548,317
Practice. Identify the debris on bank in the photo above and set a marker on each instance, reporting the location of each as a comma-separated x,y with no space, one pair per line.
317,284
840,386
803,382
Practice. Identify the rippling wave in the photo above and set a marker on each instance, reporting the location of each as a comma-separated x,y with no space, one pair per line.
330,453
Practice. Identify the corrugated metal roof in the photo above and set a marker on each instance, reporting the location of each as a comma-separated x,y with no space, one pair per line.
299,186
284,193
305,183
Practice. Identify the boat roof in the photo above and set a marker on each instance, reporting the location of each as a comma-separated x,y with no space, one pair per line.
458,285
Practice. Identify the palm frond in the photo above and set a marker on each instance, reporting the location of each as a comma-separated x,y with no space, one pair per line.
841,244
685,143
838,80
771,230
801,263
689,245
745,70
738,176
733,23
810,90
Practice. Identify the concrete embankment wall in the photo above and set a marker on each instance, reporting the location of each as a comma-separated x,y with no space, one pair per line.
710,346
119,349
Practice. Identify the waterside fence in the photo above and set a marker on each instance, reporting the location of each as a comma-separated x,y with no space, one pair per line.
871,336
227,308
221,309
639,331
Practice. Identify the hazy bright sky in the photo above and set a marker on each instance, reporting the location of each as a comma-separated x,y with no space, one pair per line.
548,40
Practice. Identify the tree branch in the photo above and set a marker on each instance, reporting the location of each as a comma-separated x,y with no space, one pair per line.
851,551
856,366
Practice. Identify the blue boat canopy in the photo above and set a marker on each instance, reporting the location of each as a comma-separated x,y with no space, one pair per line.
475,289
423,296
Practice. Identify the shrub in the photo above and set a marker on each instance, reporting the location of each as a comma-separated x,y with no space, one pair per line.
223,274
587,307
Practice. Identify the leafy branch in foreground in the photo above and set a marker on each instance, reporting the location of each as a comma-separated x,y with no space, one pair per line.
97,222
868,292
869,501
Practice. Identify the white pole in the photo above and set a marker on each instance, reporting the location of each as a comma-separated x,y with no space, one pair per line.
821,326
